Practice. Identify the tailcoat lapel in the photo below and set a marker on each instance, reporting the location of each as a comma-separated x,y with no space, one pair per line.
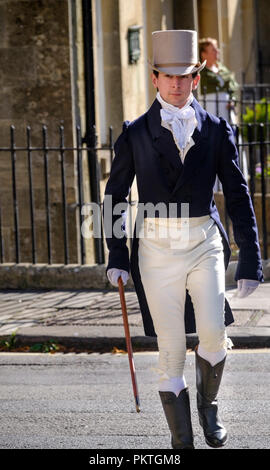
163,141
197,153
165,146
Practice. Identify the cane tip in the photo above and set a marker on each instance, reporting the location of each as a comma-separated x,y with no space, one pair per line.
138,409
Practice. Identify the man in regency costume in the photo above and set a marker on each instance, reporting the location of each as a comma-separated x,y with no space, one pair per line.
176,150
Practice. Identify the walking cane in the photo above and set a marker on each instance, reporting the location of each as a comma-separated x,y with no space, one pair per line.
129,345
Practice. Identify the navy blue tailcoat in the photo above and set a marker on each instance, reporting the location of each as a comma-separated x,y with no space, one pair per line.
146,149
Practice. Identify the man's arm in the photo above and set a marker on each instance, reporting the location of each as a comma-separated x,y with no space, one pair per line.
115,202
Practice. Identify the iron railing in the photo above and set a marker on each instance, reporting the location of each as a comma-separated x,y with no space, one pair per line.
47,156
249,115
248,96
252,140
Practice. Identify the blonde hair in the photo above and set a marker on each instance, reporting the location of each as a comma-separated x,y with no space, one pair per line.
204,43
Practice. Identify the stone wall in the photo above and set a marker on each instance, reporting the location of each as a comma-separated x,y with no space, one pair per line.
35,89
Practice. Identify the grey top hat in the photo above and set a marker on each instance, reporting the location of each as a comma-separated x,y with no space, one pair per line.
175,52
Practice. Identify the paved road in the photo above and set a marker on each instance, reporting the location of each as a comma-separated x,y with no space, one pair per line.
85,401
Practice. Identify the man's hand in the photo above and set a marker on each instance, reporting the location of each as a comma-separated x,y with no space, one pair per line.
113,274
246,287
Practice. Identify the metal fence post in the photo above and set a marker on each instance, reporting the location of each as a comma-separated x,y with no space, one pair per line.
64,199
47,191
31,194
251,162
80,189
14,191
94,178
262,161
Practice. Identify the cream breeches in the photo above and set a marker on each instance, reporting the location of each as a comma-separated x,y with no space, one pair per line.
168,266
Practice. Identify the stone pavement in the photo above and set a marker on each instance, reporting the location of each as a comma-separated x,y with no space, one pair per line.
92,319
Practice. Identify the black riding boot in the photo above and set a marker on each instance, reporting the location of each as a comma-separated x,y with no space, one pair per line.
177,412
208,379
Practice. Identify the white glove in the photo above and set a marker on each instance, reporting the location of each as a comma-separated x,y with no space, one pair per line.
113,274
246,287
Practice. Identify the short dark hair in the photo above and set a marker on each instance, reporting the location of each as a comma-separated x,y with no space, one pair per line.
155,72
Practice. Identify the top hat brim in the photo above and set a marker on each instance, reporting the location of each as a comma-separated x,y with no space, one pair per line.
178,69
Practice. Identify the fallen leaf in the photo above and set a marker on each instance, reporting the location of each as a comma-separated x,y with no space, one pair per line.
115,350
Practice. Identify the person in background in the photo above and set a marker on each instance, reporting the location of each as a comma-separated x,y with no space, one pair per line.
219,91
216,76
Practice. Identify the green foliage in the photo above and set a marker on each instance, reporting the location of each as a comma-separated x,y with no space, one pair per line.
258,169
48,346
9,343
261,115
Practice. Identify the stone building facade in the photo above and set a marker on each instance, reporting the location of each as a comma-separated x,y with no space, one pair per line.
36,90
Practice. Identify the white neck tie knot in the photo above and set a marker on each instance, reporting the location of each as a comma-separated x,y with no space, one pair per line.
181,120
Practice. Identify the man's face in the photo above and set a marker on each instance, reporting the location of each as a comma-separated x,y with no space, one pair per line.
175,89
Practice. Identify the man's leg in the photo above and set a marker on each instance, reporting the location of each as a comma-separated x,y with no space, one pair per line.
165,292
206,286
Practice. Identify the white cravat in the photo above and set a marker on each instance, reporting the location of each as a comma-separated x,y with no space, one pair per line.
182,121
